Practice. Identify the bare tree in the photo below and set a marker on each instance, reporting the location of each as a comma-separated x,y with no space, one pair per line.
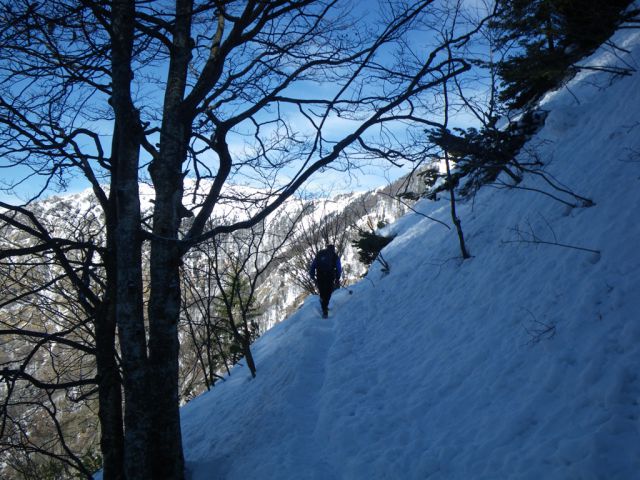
47,367
111,90
447,161
221,278
204,351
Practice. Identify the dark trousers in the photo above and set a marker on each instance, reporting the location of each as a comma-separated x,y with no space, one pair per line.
325,288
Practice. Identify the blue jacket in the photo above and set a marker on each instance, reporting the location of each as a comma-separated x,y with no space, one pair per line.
314,266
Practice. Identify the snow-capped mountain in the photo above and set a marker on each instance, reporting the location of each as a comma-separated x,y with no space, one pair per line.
78,217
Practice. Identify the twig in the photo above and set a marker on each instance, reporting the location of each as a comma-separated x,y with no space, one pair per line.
519,187
415,211
613,70
534,239
541,331
386,268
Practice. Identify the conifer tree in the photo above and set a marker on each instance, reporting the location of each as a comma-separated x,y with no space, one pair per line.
547,37
369,244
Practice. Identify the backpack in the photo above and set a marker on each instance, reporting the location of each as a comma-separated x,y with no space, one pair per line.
326,262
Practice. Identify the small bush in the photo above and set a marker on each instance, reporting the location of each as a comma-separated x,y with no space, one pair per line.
369,244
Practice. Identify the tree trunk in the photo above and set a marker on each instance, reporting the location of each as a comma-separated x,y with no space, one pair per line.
128,243
452,190
166,254
165,300
248,356
109,394
164,311
164,307
454,216
130,319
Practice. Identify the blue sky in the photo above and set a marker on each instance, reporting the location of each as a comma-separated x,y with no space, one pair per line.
369,175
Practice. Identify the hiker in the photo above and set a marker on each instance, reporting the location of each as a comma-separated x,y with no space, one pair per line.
325,271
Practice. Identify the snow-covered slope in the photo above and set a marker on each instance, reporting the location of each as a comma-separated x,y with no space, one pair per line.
522,362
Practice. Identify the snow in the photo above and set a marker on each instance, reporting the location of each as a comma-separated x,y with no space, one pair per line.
521,362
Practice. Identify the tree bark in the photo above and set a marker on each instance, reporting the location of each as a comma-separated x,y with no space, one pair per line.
165,293
164,311
127,240
109,391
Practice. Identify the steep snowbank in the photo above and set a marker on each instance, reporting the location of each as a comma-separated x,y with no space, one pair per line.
521,362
